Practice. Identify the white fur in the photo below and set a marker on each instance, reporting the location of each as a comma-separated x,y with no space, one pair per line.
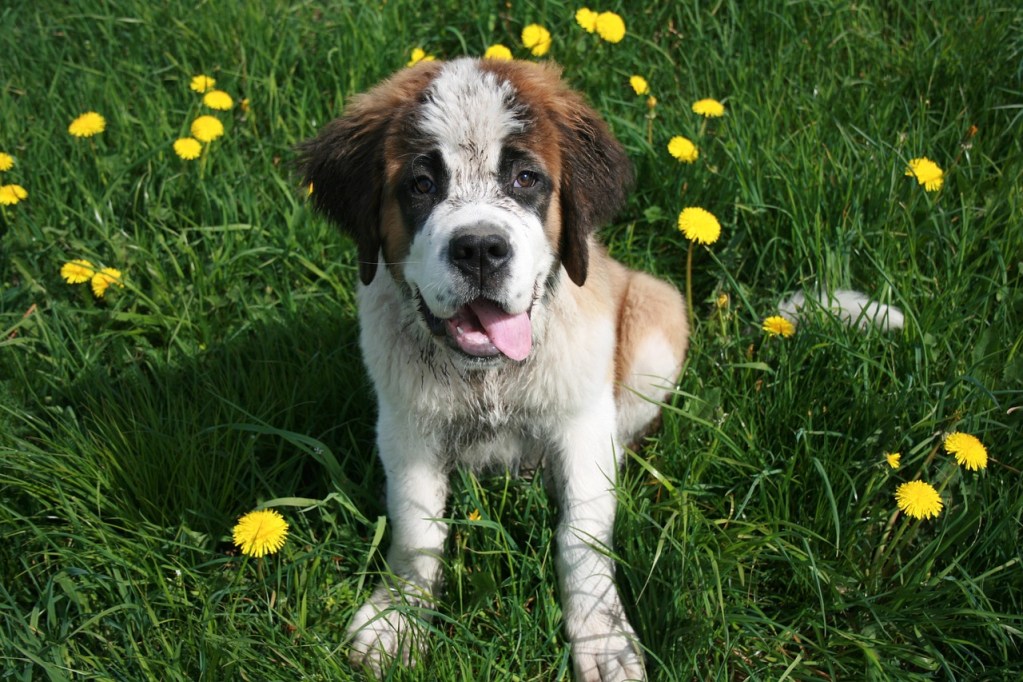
464,105
850,306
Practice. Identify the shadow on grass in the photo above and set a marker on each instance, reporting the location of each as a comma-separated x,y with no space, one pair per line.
283,410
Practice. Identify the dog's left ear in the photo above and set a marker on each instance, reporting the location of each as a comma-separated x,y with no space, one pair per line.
595,180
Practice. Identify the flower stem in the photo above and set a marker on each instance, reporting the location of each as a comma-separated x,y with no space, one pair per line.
95,159
886,545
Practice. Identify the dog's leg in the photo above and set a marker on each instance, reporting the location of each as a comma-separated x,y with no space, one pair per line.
604,645
387,628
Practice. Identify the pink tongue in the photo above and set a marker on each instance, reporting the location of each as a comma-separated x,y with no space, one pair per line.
510,334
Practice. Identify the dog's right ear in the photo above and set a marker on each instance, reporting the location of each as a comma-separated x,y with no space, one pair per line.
343,169
343,165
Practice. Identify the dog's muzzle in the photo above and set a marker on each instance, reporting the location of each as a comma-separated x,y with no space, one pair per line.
479,258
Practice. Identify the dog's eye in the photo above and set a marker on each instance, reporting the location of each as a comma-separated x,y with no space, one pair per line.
423,184
526,179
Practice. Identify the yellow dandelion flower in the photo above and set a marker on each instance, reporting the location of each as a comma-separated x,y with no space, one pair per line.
260,533
218,99
6,162
711,108
683,149
968,450
188,148
12,194
776,325
927,173
207,128
309,190
77,271
536,39
244,105
498,51
587,18
639,85
651,102
88,124
894,459
202,83
610,27
474,515
419,55
699,225
102,280
918,499
722,301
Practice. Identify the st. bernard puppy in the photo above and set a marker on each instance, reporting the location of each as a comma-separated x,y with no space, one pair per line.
495,328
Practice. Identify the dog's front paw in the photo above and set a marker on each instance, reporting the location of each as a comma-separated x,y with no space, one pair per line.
602,654
381,636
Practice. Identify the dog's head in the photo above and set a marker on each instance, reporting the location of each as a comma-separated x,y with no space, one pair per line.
475,182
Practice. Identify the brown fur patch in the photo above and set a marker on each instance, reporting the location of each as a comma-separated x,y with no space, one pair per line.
394,238
346,164
591,170
648,306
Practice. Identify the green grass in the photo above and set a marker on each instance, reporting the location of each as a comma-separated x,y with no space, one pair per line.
756,534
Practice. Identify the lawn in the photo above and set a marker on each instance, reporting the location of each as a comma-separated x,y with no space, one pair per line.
218,372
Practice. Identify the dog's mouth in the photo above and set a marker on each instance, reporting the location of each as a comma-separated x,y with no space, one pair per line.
483,329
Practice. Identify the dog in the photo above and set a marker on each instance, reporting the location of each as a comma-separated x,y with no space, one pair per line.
496,329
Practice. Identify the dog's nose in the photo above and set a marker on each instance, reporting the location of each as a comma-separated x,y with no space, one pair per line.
480,254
